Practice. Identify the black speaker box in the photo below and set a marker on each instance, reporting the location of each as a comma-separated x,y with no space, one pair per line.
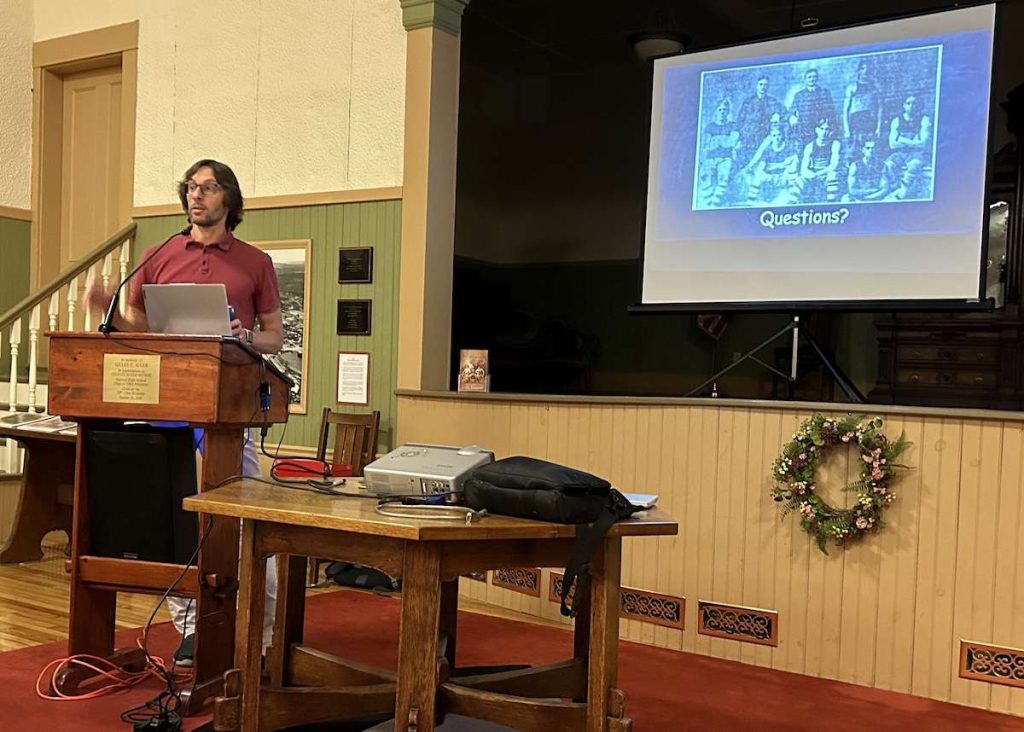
137,476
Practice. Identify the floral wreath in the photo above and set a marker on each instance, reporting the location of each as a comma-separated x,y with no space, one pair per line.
794,469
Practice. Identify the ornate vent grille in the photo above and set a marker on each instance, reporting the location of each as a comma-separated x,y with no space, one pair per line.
522,580
748,624
647,607
994,664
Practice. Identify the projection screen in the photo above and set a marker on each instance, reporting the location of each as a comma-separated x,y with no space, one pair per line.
840,166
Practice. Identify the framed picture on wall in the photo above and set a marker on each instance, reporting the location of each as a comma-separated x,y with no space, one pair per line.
291,262
354,378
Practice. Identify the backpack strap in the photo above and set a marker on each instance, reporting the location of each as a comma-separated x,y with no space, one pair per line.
588,540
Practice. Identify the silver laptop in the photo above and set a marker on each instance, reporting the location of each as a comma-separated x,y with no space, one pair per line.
187,309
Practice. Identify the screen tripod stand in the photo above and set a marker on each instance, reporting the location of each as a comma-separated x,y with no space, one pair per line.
840,377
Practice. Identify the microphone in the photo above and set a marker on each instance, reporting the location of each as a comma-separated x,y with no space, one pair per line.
107,326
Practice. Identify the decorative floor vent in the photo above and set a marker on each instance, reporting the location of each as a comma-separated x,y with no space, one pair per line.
647,607
747,624
526,581
994,664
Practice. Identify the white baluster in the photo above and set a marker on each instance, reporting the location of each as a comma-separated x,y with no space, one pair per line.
86,310
12,390
53,312
33,355
123,261
72,302
106,269
7,456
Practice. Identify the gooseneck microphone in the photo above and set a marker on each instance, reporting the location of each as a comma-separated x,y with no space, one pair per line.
107,326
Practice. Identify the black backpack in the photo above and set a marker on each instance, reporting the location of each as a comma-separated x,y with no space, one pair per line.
536,489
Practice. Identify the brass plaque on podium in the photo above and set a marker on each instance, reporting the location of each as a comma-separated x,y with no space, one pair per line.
131,379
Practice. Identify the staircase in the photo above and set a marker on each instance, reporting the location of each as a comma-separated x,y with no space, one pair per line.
23,326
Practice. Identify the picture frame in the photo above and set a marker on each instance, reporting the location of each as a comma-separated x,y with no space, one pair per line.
292,260
353,378
355,317
355,265
474,370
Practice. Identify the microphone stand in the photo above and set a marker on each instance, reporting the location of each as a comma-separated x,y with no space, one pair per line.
107,326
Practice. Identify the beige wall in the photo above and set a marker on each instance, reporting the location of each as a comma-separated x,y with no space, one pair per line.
889,612
15,103
299,96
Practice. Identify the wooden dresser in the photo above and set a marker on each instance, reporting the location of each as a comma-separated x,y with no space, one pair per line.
969,360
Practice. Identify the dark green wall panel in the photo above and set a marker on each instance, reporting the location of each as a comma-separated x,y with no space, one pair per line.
377,224
15,273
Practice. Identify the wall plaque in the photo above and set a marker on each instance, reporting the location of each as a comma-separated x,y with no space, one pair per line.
354,317
355,265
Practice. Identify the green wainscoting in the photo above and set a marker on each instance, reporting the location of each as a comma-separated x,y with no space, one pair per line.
329,227
15,273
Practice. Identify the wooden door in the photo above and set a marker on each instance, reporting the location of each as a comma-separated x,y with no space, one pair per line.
91,171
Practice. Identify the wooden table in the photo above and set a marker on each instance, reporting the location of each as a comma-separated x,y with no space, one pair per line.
303,685
49,467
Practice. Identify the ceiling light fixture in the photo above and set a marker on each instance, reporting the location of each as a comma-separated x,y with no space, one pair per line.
652,44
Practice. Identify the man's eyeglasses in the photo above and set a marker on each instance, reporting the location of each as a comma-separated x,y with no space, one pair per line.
208,188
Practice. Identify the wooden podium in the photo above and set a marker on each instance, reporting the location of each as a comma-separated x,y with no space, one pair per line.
209,382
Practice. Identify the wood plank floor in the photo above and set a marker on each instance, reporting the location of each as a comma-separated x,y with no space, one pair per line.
35,596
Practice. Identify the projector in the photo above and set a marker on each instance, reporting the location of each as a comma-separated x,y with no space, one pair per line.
424,470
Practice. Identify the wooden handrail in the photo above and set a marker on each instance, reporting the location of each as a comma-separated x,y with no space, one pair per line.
27,303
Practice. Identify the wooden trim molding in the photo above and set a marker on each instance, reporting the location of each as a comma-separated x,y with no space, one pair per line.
323,198
766,404
18,214
114,39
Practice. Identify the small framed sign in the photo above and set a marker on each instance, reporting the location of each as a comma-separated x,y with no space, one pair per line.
474,372
354,317
354,378
355,265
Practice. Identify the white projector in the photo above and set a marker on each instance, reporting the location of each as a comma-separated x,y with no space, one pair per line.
424,470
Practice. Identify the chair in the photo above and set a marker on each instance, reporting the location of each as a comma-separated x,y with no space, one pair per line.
355,439
355,445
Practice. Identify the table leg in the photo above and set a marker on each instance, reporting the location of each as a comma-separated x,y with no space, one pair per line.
288,622
48,464
249,626
415,706
603,666
449,620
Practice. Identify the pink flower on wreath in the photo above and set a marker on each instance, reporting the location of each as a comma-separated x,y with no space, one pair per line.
877,474
862,523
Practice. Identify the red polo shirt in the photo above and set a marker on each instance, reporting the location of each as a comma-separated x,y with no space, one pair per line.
246,272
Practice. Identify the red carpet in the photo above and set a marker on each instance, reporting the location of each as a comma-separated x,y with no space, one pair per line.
665,690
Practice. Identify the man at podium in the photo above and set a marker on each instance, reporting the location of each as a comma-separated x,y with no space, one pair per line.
210,254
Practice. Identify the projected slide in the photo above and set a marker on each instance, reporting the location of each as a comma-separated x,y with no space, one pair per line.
755,149
843,165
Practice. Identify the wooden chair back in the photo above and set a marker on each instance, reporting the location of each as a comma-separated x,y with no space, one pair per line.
355,438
